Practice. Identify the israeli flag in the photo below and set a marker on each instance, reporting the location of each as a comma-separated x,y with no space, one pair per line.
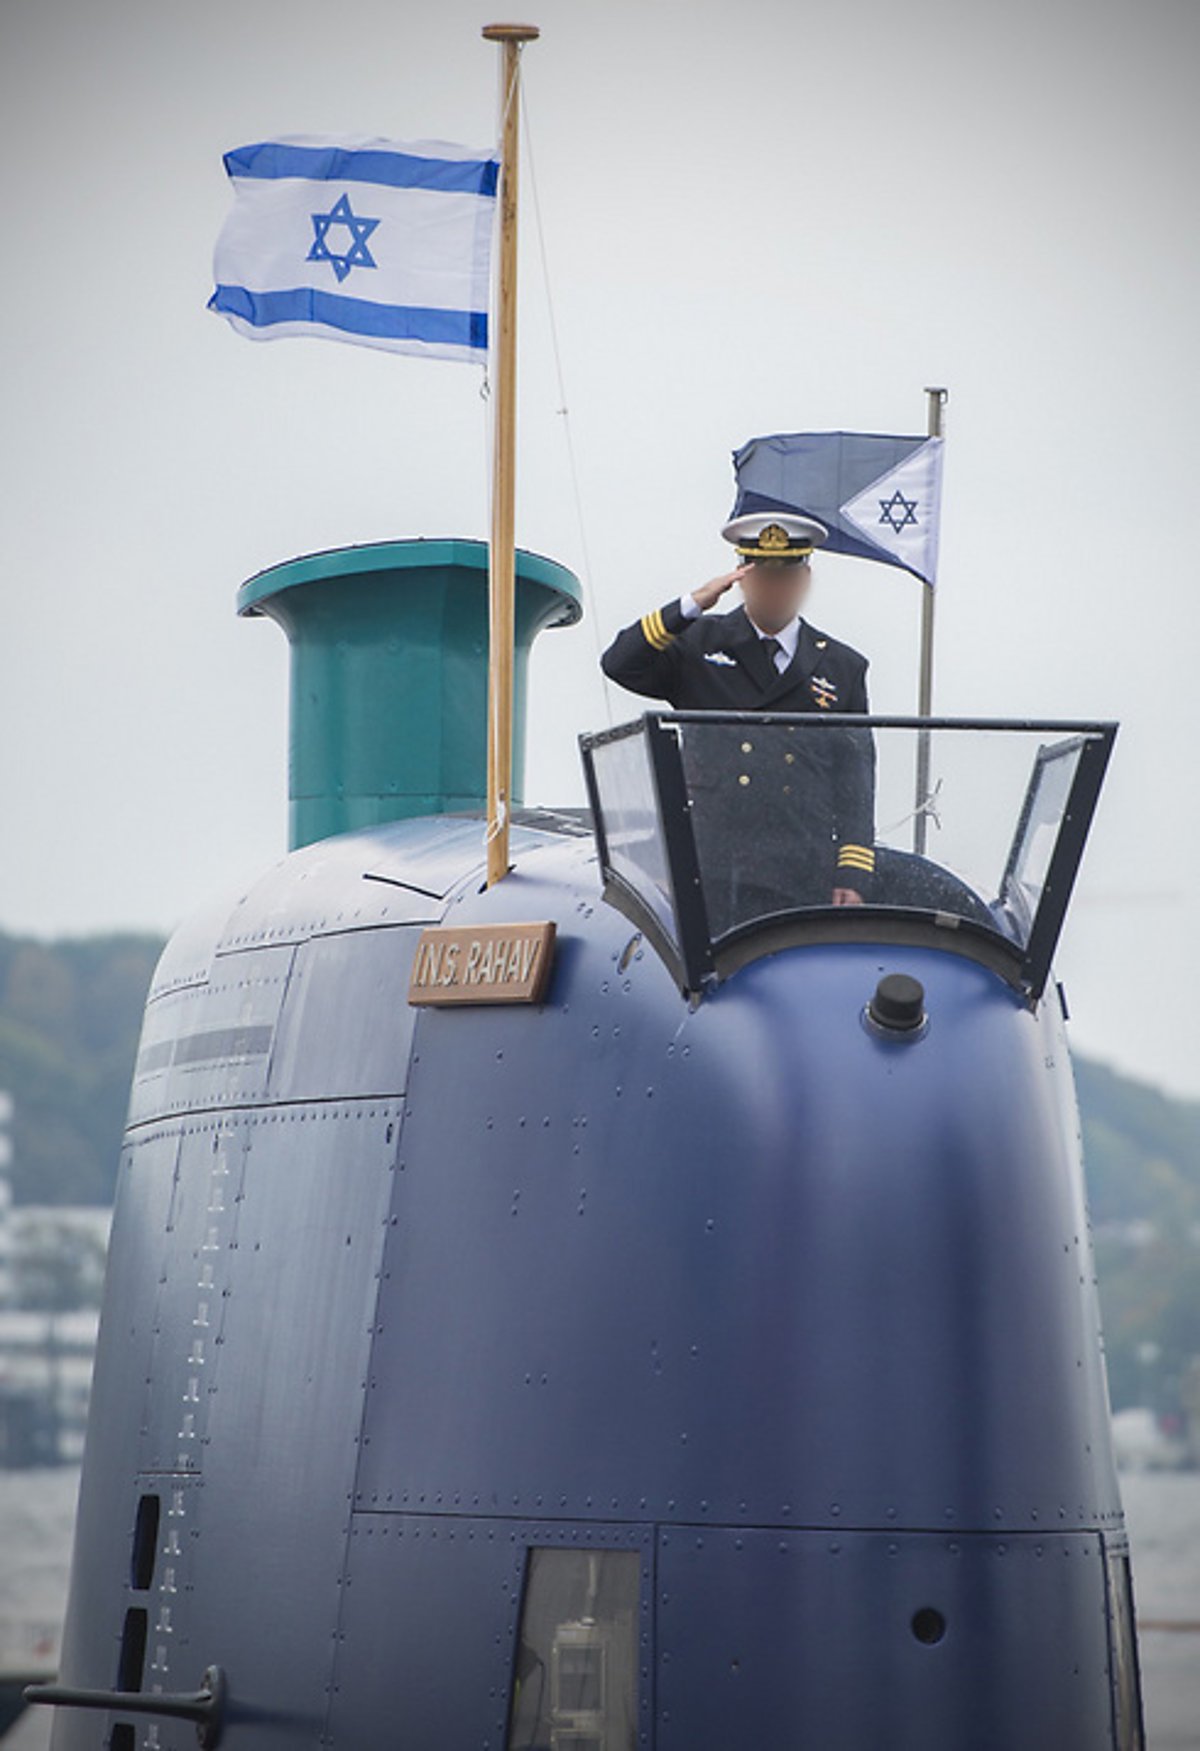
880,497
363,240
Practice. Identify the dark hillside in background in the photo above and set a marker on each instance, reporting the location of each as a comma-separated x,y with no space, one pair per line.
1142,1151
70,1014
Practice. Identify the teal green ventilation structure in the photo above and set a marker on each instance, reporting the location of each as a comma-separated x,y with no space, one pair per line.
389,676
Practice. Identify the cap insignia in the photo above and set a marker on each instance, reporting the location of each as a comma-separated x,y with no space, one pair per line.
773,539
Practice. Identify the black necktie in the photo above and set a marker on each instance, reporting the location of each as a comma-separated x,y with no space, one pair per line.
771,645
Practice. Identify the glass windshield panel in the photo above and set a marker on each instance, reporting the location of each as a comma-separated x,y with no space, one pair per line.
793,814
574,1686
632,826
806,814
1037,831
768,803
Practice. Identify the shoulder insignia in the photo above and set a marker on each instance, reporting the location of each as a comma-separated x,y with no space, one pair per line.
654,631
860,857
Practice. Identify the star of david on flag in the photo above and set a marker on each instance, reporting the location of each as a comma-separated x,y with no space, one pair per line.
879,497
341,218
377,242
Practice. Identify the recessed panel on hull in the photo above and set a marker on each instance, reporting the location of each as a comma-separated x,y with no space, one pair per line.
446,1631
193,1292
903,1641
209,1046
282,1427
677,1265
399,873
351,883
122,1384
346,1028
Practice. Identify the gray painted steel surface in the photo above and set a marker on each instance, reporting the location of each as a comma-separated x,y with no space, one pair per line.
803,1316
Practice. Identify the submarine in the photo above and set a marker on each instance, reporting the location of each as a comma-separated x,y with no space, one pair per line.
582,1313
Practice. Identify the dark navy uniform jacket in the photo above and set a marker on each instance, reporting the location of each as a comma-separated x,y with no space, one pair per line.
798,807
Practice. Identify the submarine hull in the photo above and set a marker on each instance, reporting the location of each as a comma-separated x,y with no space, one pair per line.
757,1350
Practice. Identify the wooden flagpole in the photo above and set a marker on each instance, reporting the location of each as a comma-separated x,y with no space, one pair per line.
936,400
501,557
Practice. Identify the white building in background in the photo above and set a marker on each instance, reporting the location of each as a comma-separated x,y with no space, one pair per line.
56,1255
1139,1443
45,1384
51,1274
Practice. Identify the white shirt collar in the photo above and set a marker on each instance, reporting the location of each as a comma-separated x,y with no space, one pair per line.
789,638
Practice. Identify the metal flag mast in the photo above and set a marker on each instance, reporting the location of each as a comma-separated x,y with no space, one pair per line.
501,558
936,400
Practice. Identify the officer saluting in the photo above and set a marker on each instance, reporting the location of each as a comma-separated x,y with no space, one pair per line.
764,657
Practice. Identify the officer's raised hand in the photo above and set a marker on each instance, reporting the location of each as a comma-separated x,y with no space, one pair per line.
712,591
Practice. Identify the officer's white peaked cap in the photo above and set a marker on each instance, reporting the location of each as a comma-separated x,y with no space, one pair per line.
774,535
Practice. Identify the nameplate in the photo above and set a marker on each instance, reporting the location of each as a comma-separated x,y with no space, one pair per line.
482,963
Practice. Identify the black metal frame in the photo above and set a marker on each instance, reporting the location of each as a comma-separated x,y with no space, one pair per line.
1065,858
687,889
697,962
688,954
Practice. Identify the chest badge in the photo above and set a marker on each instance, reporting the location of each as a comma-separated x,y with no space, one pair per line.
824,692
721,659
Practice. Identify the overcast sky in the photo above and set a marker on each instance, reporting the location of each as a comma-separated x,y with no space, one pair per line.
759,218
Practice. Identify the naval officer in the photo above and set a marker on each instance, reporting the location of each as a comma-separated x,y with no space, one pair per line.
789,815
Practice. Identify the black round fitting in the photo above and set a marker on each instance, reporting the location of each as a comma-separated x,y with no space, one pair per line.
928,1625
898,1003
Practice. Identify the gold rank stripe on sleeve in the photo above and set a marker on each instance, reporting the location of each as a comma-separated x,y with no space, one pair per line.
654,631
857,857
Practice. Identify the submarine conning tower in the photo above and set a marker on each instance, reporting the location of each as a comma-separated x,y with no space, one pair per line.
389,676
696,1352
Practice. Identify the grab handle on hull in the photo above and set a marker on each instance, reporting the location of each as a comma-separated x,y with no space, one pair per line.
205,1706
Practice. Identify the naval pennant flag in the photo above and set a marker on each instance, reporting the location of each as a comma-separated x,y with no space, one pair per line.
372,241
879,497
